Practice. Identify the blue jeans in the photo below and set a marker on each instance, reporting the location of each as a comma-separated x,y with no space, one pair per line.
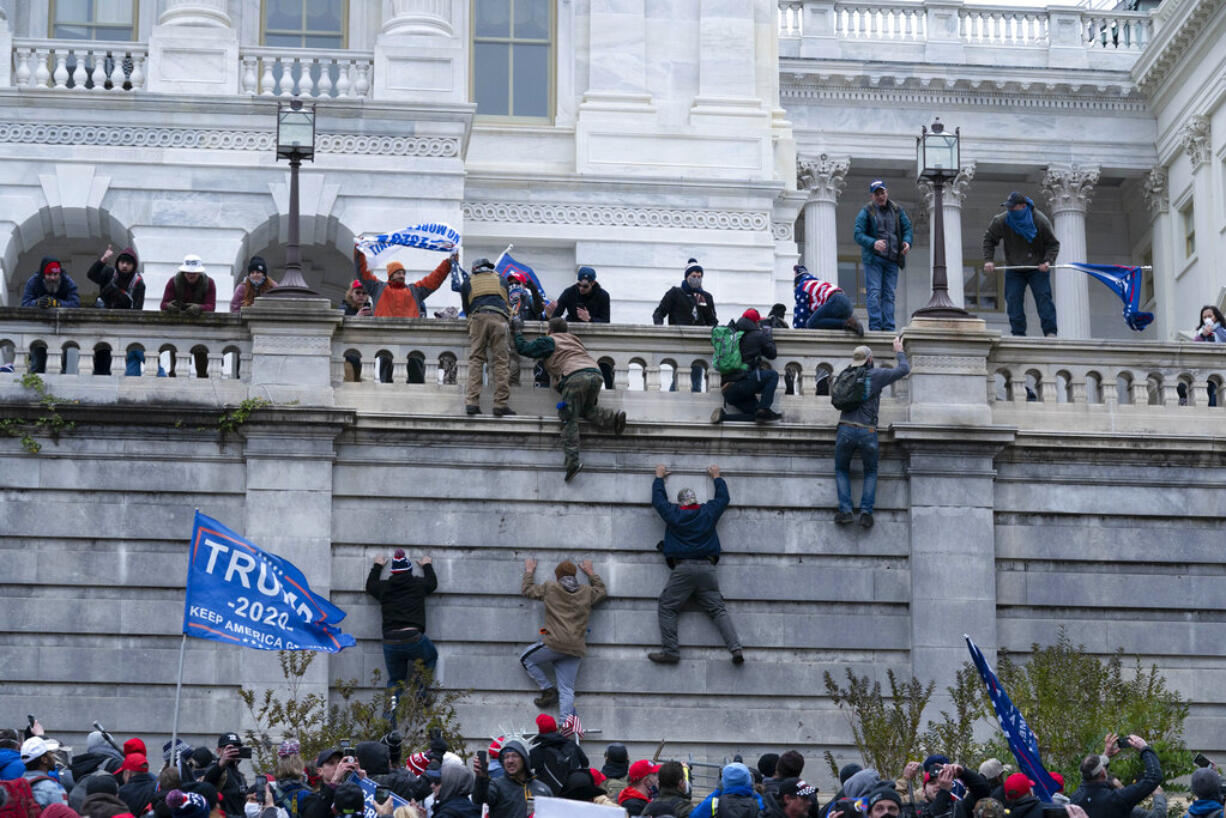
1015,299
831,315
400,657
850,440
741,394
695,378
880,279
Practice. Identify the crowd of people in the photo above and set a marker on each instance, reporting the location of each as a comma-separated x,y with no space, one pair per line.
42,779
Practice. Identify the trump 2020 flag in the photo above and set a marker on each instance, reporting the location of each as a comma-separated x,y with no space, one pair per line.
425,236
240,594
370,789
1021,738
507,265
1126,283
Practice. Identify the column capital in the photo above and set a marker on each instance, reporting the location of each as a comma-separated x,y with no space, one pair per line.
1069,187
824,177
956,189
1156,189
1194,138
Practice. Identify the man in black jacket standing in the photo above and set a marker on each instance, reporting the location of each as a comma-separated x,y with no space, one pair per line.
1096,795
752,390
688,306
587,302
402,601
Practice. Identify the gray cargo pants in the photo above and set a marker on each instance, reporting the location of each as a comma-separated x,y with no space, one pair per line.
694,578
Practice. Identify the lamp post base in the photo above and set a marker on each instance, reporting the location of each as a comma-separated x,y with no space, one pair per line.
292,285
939,306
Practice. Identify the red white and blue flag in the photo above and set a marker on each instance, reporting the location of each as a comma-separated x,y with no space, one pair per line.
507,265
1126,283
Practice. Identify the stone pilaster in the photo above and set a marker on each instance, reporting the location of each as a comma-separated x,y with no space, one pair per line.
420,54
193,49
824,179
1194,138
1156,189
1069,189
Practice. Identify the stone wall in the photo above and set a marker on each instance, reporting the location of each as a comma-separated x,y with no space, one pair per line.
1092,509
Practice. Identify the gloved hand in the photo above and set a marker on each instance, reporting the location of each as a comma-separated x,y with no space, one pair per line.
517,325
193,310
172,306
48,302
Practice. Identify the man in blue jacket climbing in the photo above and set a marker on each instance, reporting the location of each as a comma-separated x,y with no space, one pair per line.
691,548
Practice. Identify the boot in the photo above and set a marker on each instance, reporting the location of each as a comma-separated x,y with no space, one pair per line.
548,696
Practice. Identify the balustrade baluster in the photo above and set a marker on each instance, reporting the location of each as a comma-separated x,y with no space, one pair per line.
324,87
362,85
343,85
61,70
249,75
99,74
22,73
267,81
79,75
137,78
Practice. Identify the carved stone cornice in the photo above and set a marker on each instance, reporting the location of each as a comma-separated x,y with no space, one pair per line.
1069,187
1156,188
616,216
1171,41
823,177
1194,139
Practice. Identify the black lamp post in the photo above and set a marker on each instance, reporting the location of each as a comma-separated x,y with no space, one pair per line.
295,142
938,157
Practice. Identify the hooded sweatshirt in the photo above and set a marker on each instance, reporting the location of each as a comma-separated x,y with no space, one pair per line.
402,598
118,291
735,797
10,765
566,612
508,798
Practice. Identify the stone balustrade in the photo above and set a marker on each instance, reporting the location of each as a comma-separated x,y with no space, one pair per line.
78,65
838,28
306,72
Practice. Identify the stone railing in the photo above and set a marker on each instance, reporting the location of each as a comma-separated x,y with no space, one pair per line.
836,27
305,72
79,65
307,352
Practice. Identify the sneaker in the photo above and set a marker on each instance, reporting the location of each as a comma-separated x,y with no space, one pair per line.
766,416
1049,335
472,409
503,411
738,658
573,469
548,696
866,520
661,657
844,517
718,415
852,325
619,423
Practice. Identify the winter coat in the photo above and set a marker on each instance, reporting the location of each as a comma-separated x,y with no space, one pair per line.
690,532
402,597
35,289
1218,337
204,293
680,305
138,792
1028,806
865,232
458,807
118,292
566,614
756,345
734,802
47,790
554,757
879,379
944,805
1018,251
596,302
402,300
1100,800
11,765
103,805
508,798
633,800
231,787
246,293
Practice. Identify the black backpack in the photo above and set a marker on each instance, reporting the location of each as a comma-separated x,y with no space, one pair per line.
554,763
850,388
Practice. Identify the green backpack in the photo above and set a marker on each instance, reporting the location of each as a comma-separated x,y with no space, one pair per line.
727,343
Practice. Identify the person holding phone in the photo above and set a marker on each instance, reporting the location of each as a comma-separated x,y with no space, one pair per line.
1212,326
225,775
1096,795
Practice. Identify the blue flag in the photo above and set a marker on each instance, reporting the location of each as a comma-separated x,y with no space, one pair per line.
1126,283
507,265
368,789
239,594
1021,739
426,236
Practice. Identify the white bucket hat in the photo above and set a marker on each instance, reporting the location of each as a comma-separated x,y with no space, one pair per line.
192,264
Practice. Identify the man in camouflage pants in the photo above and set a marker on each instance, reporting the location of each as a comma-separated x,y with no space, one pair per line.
577,376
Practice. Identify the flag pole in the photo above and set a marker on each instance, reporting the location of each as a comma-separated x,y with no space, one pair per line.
174,729
503,254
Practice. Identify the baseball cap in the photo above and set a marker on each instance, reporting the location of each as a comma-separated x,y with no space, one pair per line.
1015,198
752,315
797,787
992,768
1017,785
327,755
227,739
33,747
641,769
586,273
875,184
135,762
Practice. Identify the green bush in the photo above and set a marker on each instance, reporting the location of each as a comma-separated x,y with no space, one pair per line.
886,729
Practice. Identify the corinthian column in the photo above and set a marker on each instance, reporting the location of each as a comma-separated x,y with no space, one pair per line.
951,212
1069,189
824,179
1156,186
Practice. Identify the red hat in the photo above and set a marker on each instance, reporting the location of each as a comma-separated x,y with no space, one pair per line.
546,723
356,284
752,315
1059,779
136,762
418,762
598,777
1017,785
641,769
134,745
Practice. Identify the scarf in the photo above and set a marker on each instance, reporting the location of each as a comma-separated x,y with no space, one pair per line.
1022,221
569,582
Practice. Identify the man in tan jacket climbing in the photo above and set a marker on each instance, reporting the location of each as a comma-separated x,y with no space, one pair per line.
563,642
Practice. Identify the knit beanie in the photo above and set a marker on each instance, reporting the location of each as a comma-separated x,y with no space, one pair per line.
546,723
400,562
692,266
187,804
394,267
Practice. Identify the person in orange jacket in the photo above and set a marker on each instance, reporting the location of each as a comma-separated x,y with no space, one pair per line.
395,299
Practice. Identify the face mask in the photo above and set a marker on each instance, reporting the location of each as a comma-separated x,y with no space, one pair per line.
695,282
